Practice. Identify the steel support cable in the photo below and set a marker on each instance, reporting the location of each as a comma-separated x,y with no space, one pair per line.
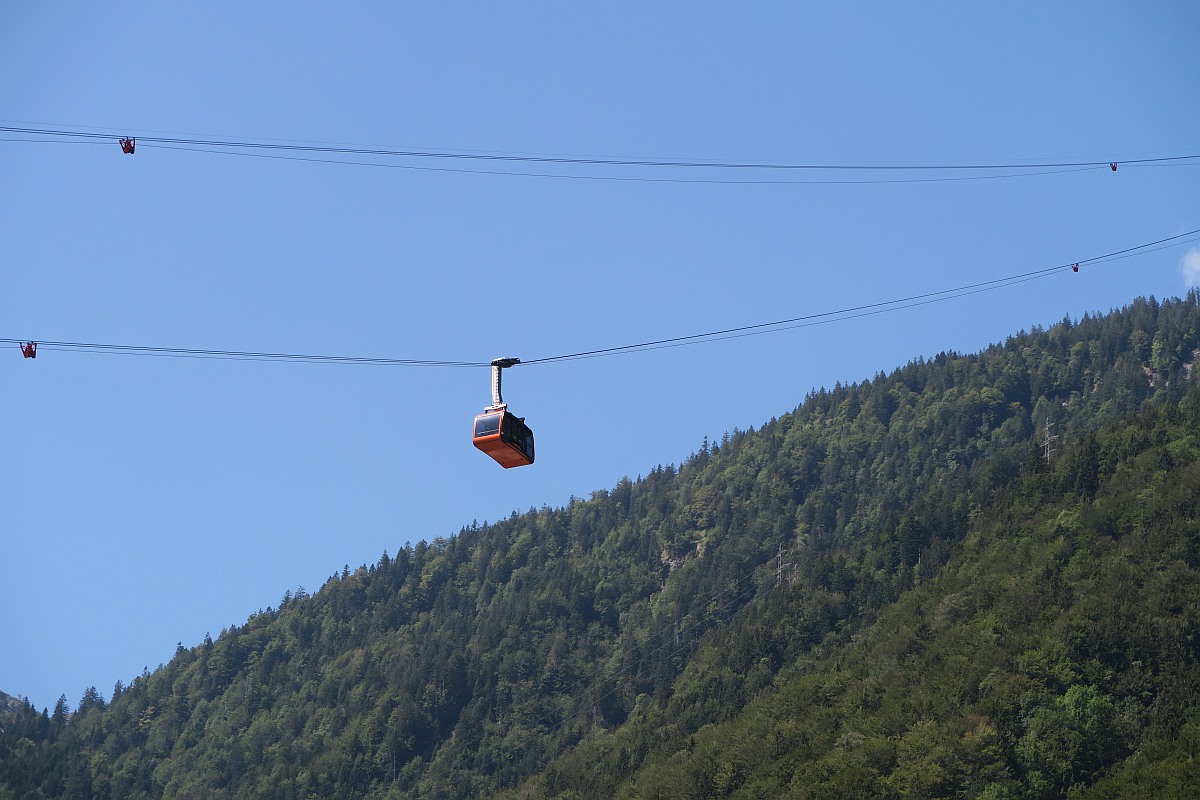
590,161
611,178
509,173
182,352
637,179
887,305
811,323
825,317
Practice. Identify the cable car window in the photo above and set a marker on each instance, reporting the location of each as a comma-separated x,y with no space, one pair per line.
510,431
487,425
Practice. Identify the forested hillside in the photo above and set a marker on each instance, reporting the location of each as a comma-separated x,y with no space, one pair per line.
1056,653
898,589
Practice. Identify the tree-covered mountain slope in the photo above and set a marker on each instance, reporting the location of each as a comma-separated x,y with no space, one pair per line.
1055,654
798,609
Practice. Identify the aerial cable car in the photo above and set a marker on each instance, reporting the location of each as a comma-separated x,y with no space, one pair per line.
498,432
127,145
29,349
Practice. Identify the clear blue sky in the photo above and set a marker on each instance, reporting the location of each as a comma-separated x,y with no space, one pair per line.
152,500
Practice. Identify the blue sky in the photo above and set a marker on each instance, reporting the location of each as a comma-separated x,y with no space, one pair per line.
152,500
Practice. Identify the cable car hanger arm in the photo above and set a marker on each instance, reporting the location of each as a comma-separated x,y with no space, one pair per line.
498,367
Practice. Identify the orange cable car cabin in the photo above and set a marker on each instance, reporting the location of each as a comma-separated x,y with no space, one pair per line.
504,437
498,432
